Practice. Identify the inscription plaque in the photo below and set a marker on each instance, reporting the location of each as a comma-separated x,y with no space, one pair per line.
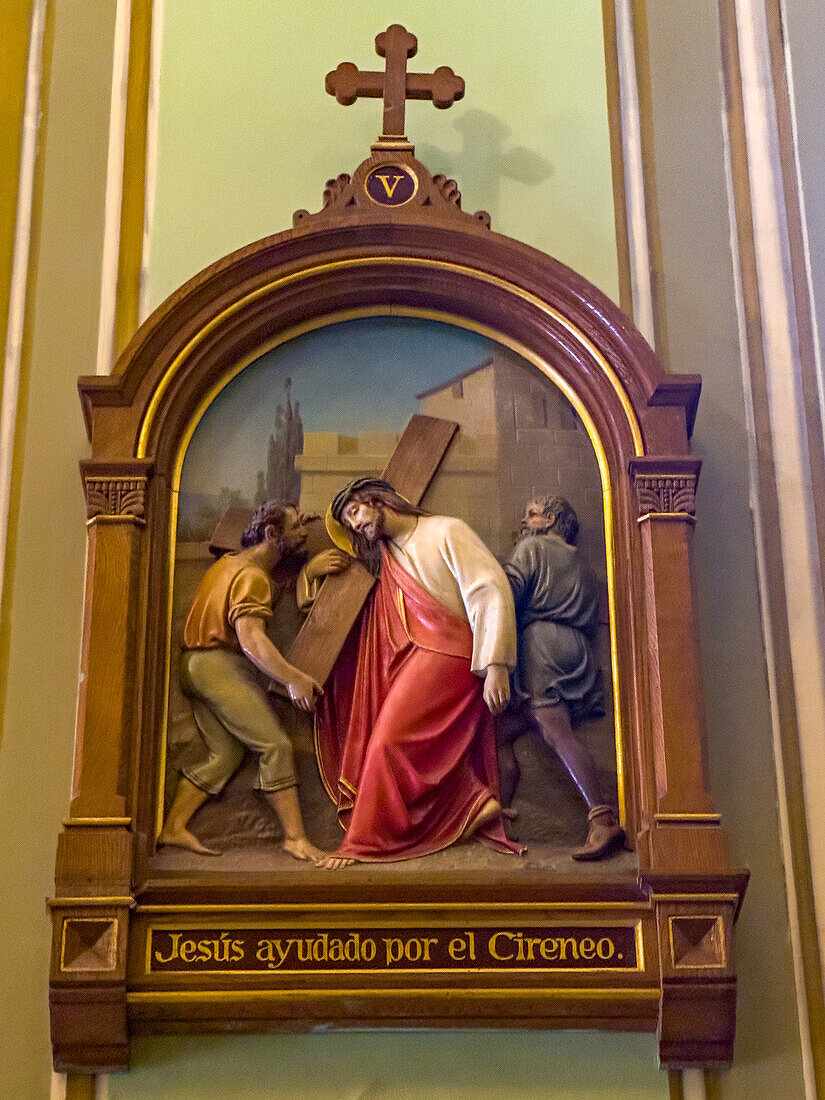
265,949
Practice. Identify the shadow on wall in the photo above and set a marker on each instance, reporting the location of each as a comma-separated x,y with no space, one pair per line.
486,159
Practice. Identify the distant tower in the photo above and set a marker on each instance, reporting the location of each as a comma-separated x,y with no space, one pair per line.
283,481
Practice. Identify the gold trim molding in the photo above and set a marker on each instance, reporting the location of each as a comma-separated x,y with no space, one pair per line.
92,902
550,993
389,260
96,822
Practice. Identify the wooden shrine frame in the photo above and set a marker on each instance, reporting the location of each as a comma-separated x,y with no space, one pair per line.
423,257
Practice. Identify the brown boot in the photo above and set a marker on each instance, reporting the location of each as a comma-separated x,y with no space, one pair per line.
604,834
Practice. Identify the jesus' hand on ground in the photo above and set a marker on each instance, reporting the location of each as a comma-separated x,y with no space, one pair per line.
497,688
325,563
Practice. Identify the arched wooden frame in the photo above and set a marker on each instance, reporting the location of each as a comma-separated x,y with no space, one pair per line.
139,420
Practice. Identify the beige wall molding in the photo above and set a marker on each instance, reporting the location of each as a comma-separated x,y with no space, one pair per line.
114,190
786,471
154,45
639,218
135,71
20,280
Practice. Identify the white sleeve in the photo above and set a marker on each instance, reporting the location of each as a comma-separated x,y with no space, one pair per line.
486,594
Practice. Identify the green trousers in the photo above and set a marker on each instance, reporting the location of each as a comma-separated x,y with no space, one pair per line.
233,713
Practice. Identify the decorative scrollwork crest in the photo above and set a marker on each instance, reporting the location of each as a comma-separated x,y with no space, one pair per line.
335,188
448,189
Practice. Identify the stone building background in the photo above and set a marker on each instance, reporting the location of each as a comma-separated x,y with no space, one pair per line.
518,437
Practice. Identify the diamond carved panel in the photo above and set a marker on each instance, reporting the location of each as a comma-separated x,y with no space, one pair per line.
89,944
697,942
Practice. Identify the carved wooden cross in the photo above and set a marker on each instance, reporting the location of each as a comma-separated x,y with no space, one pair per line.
410,470
347,83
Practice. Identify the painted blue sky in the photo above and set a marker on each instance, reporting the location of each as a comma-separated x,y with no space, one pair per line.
354,376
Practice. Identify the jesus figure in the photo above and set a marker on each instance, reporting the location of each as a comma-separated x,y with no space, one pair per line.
405,729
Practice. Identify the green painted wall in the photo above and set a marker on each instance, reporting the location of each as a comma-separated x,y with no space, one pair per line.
247,134
491,1065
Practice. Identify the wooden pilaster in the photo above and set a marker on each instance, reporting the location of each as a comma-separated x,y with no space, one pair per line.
684,834
90,910
115,498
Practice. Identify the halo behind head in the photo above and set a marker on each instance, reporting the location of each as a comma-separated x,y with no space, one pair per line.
338,533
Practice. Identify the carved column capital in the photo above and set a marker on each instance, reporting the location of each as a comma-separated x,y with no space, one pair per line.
116,491
666,486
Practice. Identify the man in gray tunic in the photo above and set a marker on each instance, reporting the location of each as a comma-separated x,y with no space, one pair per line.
558,681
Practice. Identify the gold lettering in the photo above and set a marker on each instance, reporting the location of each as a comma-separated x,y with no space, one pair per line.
608,951
175,938
221,948
492,946
304,950
531,944
310,948
394,950
187,951
386,181
320,947
454,947
264,952
574,950
549,953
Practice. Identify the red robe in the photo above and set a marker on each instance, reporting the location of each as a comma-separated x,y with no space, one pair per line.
404,740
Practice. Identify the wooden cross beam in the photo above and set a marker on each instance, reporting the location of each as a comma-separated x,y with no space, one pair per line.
395,85
410,470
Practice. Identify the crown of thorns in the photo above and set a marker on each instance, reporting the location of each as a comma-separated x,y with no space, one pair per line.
360,484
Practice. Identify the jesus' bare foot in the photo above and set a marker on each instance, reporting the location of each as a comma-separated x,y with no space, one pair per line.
303,849
490,809
334,863
182,838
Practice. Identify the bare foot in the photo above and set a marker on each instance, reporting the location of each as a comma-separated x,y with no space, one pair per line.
303,849
490,809
334,863
182,838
